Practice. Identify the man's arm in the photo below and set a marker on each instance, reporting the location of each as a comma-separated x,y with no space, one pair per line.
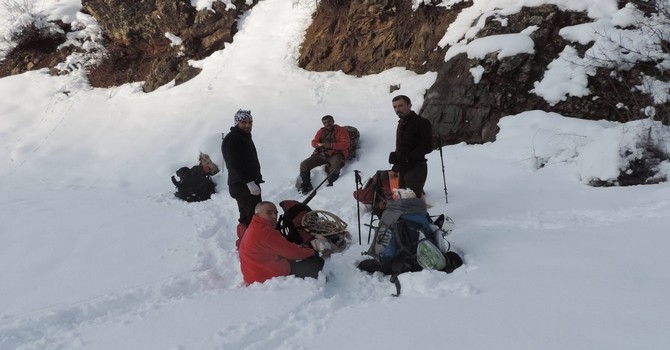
280,246
317,138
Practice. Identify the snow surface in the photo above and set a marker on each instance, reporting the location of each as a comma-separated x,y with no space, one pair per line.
96,253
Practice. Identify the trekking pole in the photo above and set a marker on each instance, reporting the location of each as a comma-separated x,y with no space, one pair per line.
313,193
357,179
372,216
444,177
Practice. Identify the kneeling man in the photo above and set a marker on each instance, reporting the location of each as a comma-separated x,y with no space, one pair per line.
265,253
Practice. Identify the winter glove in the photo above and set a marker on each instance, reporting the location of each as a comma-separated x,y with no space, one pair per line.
253,188
393,158
320,243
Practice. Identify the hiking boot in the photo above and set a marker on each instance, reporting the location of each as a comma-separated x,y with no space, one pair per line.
332,179
306,188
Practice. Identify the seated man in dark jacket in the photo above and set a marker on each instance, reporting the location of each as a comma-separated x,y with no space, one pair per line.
265,253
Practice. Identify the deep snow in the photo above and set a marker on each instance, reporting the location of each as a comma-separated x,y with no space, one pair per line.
96,253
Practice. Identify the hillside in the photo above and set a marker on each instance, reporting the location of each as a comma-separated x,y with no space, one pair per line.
616,53
96,252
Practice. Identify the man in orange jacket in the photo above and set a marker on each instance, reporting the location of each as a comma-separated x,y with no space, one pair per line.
331,147
265,253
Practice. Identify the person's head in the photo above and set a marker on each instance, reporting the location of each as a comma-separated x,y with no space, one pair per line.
328,122
243,120
402,105
267,210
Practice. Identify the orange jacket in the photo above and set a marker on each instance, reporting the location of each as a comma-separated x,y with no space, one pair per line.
265,253
341,141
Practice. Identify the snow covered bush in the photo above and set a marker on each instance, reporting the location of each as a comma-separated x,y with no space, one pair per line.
638,51
27,27
644,155
604,153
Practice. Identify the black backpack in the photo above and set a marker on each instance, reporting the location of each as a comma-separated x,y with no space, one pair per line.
290,223
303,226
193,184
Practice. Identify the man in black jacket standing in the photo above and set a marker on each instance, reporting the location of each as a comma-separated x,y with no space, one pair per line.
413,141
244,170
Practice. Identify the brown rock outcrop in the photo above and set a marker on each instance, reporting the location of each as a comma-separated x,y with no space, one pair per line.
368,37
138,49
359,38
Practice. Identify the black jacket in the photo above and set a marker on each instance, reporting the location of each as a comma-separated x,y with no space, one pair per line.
239,153
413,141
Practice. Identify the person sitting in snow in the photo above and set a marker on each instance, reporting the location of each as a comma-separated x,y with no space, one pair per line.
265,253
331,148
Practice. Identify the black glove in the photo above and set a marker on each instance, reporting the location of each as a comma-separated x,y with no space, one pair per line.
393,158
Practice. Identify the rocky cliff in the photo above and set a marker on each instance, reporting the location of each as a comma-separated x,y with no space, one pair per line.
152,41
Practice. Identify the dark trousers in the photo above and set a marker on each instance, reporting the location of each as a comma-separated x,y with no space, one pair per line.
309,267
335,162
414,178
246,202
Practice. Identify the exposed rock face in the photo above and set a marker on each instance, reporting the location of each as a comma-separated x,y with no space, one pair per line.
359,38
369,37
36,49
462,110
138,48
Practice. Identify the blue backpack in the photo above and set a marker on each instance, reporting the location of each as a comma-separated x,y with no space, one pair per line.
408,240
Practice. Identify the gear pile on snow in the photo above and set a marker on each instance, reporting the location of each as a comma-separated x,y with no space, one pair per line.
407,240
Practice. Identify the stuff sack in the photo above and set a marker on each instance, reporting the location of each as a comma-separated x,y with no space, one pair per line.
407,240
193,184
354,137
208,167
376,192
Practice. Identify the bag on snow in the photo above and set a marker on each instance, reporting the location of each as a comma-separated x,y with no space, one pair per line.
302,225
193,184
407,240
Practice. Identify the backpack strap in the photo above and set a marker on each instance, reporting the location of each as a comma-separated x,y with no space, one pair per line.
401,236
398,265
